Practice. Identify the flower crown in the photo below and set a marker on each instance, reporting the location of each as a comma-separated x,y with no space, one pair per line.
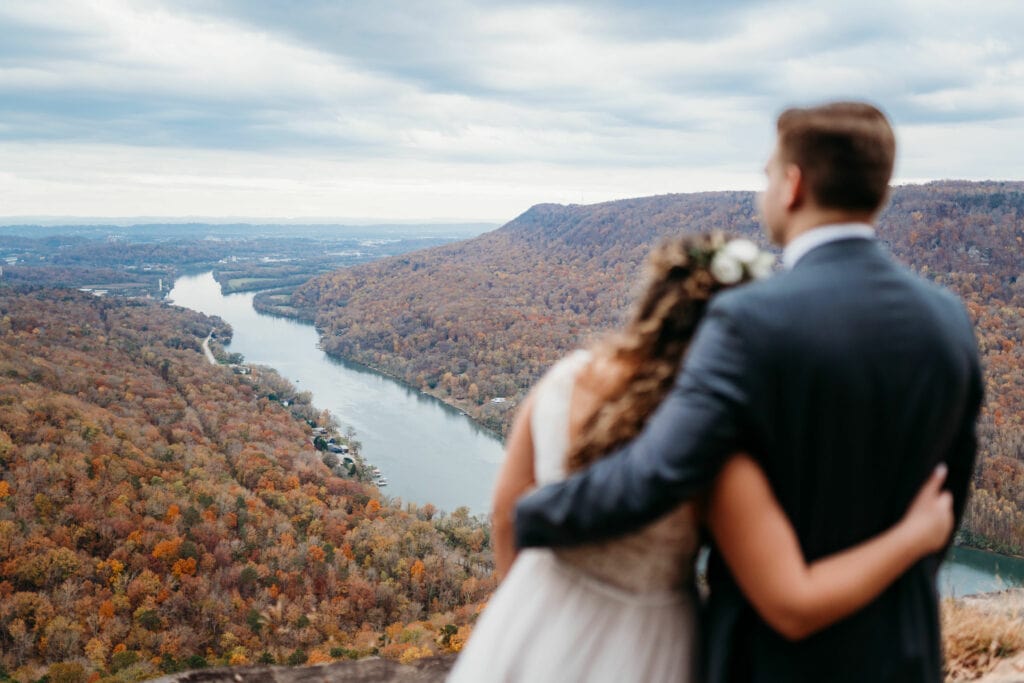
738,259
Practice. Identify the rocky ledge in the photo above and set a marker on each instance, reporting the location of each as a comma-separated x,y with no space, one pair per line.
984,639
372,670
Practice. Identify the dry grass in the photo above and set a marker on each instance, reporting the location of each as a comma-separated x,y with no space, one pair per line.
979,633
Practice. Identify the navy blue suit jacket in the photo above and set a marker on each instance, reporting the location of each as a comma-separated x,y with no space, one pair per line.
848,378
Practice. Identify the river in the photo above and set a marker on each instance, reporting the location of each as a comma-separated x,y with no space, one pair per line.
428,451
968,571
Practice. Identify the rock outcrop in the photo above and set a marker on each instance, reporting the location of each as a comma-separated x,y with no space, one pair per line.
371,670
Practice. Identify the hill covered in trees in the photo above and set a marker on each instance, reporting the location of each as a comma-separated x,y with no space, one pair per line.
159,513
481,319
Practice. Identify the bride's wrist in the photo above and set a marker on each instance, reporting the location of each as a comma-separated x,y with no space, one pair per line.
914,534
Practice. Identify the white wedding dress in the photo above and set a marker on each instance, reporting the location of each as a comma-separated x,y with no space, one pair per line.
619,611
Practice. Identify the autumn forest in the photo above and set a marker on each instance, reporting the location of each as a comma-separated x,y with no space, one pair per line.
160,513
518,298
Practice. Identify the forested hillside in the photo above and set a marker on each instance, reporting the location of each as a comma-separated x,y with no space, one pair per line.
159,513
482,319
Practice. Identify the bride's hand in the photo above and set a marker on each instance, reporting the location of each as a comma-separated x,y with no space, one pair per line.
930,515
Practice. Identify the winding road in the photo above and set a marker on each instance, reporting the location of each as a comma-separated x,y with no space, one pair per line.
206,350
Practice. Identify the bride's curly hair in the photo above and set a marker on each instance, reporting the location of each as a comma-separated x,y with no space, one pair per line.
650,347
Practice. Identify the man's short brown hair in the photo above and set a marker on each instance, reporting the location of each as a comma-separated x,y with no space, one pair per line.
845,152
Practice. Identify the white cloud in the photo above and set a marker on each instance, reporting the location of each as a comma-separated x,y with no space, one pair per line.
467,109
96,180
143,48
981,151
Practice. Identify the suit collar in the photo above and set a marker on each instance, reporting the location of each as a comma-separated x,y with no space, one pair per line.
844,250
817,237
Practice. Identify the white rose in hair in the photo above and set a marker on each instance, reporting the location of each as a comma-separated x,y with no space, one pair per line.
726,268
744,251
762,266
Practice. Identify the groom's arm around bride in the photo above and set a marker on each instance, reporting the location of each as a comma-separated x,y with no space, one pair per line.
846,377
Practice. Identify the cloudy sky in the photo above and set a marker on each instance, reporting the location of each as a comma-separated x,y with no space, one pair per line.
452,109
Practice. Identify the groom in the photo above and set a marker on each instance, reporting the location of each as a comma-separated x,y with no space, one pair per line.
847,378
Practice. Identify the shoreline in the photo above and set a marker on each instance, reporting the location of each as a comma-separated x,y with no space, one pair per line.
399,380
270,310
988,551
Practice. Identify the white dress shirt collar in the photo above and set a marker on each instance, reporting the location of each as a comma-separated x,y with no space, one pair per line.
816,237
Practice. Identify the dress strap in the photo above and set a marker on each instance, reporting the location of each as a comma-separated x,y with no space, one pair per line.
549,422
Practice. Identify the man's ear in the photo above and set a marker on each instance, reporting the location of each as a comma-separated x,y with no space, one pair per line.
794,190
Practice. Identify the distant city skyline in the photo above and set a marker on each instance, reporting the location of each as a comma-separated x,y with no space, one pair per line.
459,111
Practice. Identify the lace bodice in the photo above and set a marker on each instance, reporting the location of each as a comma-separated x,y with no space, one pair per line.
657,558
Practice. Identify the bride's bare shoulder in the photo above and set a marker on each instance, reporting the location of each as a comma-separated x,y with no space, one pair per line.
597,381
602,375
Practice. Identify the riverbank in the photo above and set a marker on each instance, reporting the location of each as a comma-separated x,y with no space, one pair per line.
267,302
461,408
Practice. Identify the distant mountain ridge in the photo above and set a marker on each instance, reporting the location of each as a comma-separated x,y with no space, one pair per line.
482,319
558,274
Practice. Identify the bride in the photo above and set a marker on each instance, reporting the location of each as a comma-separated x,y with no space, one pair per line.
625,610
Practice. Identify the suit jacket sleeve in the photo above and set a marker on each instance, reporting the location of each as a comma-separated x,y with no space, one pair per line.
676,455
965,444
